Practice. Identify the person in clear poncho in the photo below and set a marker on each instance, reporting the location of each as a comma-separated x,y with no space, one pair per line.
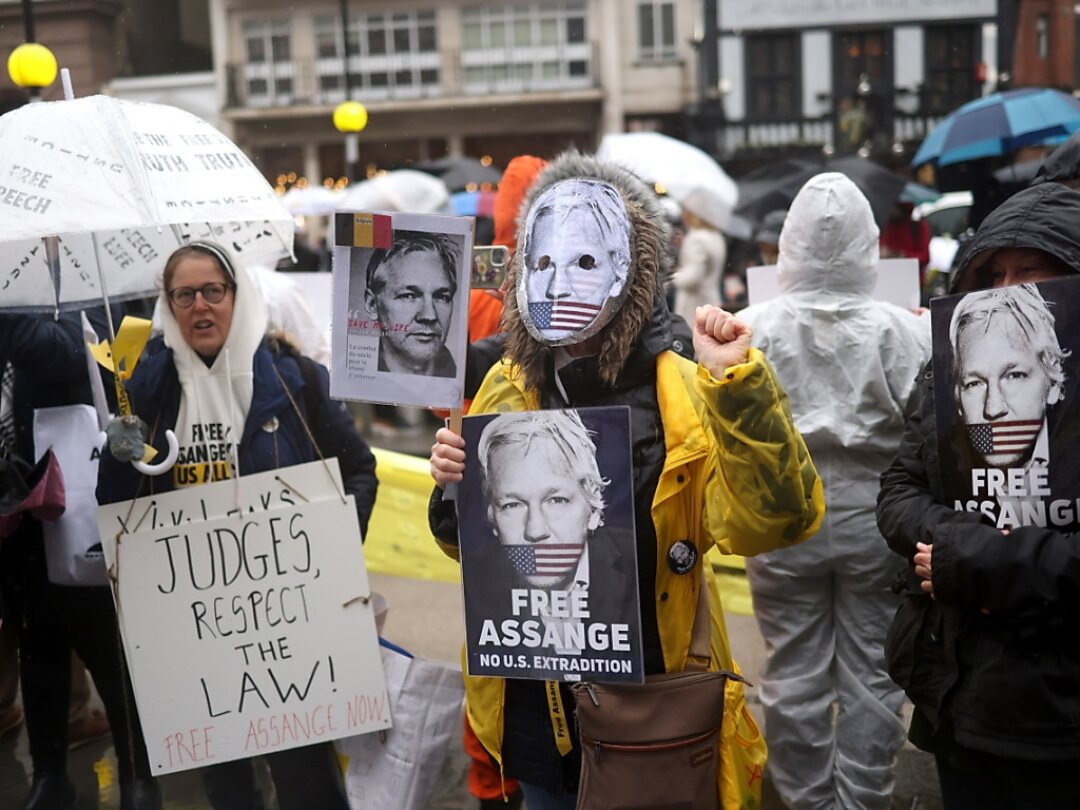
848,363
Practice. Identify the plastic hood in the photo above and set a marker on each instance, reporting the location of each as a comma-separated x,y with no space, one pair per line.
829,242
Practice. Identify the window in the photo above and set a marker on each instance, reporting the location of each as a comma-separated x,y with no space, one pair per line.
773,71
518,47
1042,36
269,70
656,31
951,55
391,55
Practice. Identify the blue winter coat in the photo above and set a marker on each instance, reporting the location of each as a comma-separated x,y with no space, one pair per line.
154,391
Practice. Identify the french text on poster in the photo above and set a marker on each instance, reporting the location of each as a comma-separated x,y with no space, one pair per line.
249,634
400,308
1006,368
548,551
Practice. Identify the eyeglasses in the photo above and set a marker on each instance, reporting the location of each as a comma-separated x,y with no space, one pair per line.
213,293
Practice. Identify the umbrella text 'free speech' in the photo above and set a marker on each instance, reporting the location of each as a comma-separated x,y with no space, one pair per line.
23,176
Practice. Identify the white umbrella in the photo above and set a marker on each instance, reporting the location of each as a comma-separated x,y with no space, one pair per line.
405,190
101,174
311,200
112,178
130,260
686,173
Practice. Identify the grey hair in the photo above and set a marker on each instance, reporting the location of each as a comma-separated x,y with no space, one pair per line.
1031,314
565,430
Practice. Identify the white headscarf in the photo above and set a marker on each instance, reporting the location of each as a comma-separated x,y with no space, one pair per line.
218,394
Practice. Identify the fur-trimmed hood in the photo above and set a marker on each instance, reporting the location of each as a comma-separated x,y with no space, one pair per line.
642,306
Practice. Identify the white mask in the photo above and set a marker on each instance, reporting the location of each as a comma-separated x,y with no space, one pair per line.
576,261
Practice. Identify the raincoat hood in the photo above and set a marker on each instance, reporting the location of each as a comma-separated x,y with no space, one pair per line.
1043,217
643,305
1063,165
829,243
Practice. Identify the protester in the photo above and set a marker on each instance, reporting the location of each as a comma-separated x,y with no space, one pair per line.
48,356
987,641
848,363
687,424
767,236
485,348
701,262
905,237
216,371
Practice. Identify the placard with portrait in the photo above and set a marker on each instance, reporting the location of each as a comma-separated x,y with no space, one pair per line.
548,549
400,308
1005,369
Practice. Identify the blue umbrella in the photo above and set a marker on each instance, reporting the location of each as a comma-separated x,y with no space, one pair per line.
1001,123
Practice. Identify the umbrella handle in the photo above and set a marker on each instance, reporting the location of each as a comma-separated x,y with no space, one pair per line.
163,466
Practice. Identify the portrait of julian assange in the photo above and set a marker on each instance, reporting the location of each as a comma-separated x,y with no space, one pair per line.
410,294
547,543
1007,422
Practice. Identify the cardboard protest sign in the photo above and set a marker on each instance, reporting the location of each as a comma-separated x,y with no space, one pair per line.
548,550
897,283
250,632
400,310
276,489
1006,368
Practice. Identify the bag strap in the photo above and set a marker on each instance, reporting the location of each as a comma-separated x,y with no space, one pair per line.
700,656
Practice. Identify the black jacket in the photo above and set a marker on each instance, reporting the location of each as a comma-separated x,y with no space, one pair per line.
992,664
155,395
49,357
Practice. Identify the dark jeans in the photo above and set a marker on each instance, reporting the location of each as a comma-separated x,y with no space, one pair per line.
993,783
304,778
51,620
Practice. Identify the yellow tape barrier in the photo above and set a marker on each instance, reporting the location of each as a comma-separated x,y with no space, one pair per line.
399,543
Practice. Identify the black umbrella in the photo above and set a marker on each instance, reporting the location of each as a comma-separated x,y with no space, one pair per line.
881,186
460,172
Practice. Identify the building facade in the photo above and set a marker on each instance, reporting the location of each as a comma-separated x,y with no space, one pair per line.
848,76
453,77
1046,55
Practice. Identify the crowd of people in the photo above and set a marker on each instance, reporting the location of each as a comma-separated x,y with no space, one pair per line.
804,433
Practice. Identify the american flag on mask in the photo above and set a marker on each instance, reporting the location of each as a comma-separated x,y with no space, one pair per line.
569,315
554,560
1004,437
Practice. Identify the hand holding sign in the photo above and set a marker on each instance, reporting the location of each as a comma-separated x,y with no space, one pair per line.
447,458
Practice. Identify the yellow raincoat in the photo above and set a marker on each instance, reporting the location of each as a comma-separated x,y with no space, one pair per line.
736,475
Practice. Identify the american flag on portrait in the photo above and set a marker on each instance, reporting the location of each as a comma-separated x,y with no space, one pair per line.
564,314
546,560
1004,437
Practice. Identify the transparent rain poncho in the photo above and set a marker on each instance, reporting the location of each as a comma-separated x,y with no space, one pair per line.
848,363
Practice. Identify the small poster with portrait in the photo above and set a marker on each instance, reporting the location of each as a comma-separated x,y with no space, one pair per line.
548,550
1006,375
400,308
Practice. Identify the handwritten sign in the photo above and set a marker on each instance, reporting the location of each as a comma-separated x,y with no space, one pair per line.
284,487
242,613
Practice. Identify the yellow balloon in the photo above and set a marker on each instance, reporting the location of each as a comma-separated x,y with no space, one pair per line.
32,65
350,116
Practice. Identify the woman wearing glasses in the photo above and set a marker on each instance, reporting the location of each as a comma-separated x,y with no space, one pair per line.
236,396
